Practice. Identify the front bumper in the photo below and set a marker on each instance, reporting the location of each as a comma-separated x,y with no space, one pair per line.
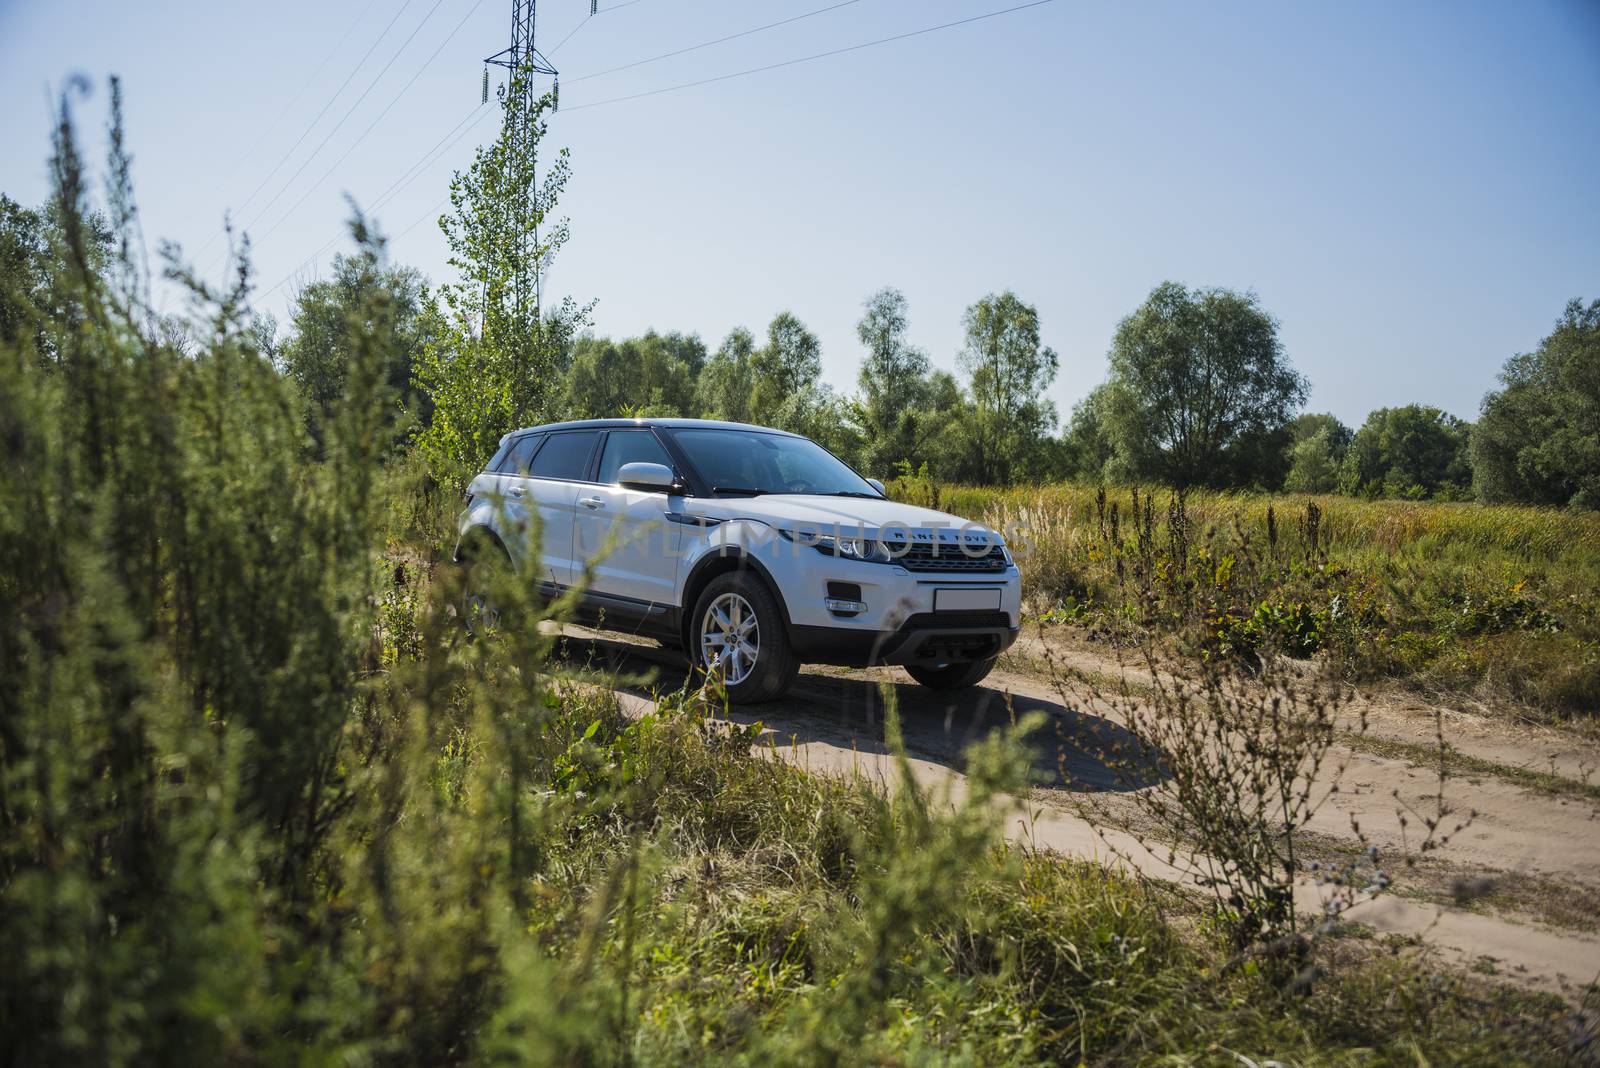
855,613
901,623
924,638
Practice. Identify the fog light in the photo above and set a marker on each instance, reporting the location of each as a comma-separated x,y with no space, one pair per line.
837,605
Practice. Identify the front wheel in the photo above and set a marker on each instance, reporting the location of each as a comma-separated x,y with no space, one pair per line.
951,676
737,635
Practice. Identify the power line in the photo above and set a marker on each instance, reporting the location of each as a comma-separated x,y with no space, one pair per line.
473,119
571,35
431,212
412,172
417,168
345,118
708,44
372,125
808,59
305,85
313,124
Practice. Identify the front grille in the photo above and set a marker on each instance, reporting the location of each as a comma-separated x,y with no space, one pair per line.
925,556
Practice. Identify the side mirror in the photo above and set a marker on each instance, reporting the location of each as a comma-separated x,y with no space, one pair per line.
655,478
875,484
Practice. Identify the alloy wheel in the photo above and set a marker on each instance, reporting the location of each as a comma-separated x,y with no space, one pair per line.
730,638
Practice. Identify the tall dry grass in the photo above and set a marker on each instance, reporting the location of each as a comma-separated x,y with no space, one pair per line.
1496,603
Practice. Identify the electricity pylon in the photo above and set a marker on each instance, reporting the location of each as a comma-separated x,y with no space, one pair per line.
523,61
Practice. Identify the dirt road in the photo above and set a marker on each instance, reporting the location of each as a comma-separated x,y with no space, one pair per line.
1538,848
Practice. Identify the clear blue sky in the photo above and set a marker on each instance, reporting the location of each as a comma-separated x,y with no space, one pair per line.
1410,188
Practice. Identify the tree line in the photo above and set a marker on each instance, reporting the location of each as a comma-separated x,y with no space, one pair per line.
1199,391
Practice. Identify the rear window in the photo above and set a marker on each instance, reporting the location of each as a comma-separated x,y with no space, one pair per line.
515,462
565,456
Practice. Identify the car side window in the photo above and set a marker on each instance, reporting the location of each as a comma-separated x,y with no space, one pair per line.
565,456
520,458
627,447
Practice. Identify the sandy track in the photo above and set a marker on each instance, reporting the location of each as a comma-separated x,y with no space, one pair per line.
832,722
1472,729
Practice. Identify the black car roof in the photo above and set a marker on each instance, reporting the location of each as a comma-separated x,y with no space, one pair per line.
670,424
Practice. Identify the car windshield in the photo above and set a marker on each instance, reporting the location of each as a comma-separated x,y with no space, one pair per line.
737,462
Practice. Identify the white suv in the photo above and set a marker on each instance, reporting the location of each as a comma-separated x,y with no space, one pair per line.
753,549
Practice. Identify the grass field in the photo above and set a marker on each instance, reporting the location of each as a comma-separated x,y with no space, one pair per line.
1495,603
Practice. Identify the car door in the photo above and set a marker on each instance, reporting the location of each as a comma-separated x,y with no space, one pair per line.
506,486
623,531
555,476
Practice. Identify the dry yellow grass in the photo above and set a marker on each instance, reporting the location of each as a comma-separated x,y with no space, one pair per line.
1501,602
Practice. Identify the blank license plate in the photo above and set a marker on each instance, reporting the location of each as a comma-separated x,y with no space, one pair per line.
966,600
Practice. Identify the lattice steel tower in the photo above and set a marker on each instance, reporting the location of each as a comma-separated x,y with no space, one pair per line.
523,61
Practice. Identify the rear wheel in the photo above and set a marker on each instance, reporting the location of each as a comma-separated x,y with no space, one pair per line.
485,569
951,676
736,634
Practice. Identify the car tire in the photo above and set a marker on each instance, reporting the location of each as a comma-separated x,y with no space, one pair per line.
951,676
737,632
484,566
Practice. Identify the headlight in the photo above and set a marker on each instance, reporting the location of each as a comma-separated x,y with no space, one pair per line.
865,549
868,550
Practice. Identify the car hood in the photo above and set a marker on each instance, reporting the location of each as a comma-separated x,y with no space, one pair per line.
851,514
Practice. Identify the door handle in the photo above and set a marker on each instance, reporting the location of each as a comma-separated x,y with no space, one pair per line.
591,502
516,491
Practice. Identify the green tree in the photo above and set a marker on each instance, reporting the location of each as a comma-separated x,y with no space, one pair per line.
1310,424
1538,439
36,268
1313,467
728,380
496,362
1208,386
24,271
774,385
1318,442
686,349
1087,448
894,371
317,355
650,375
1414,451
788,369
902,405
1009,371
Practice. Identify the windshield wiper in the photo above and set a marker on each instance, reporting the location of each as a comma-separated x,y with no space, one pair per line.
855,493
746,490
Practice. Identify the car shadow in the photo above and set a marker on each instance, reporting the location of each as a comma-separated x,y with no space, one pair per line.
1076,750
